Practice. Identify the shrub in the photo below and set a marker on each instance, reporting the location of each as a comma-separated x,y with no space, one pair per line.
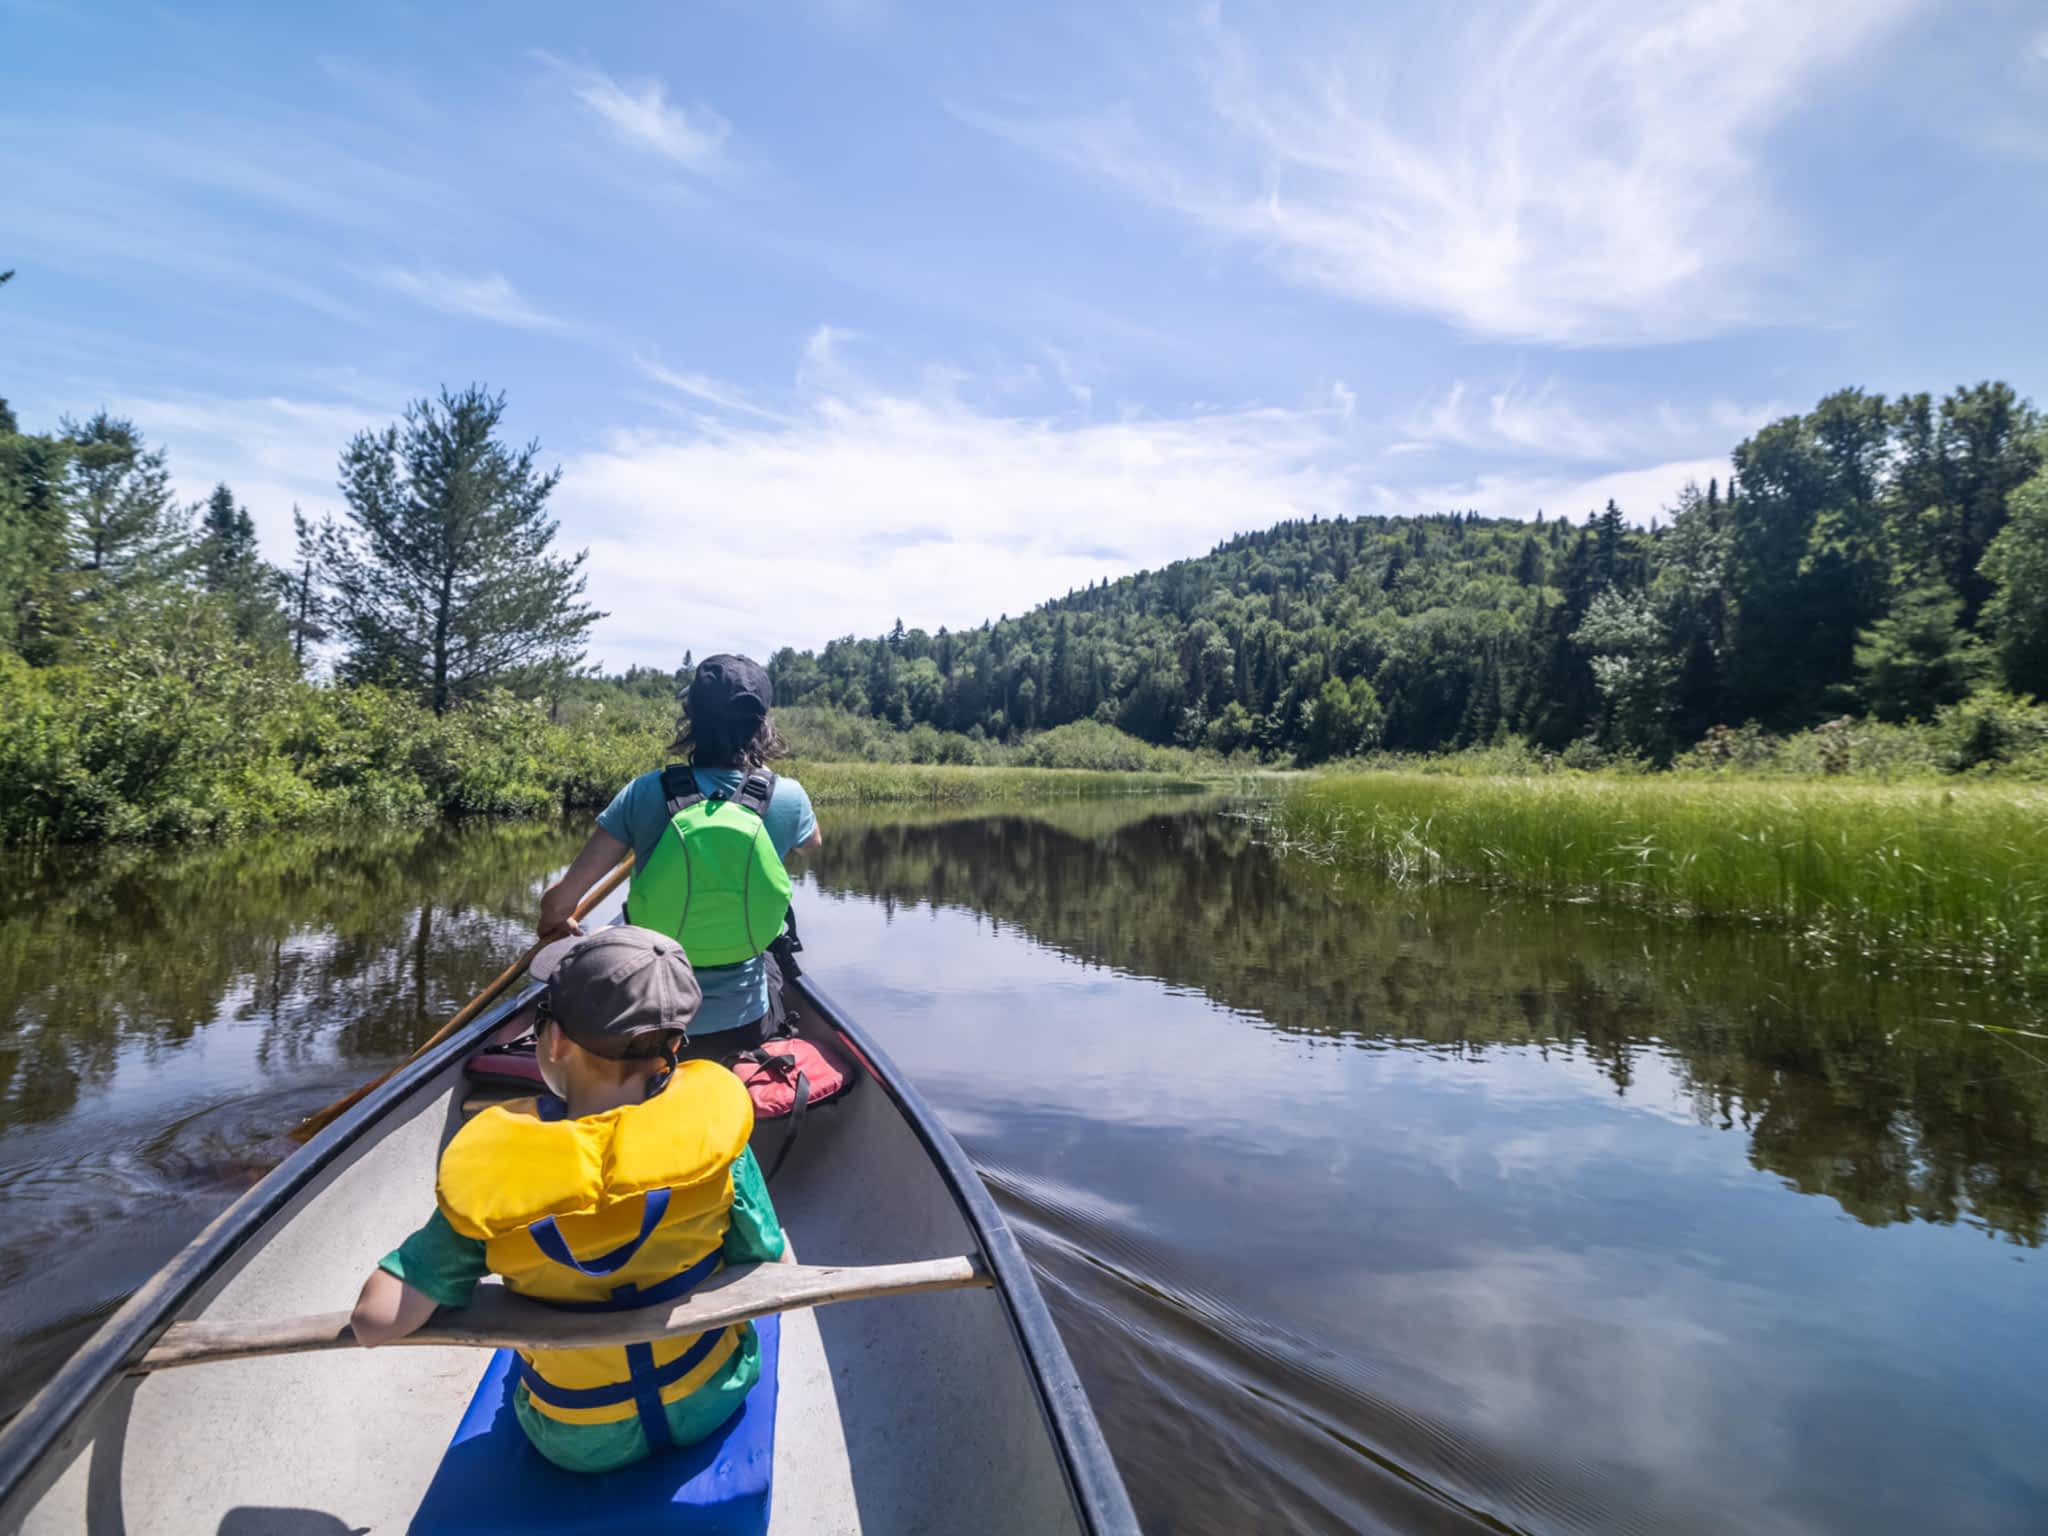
1990,728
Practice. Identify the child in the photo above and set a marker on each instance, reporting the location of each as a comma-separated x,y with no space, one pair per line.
627,1185
726,738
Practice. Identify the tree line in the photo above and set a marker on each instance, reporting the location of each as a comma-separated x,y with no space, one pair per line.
440,579
157,674
1871,556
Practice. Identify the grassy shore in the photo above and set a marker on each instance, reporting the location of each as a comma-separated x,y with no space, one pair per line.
1888,872
935,784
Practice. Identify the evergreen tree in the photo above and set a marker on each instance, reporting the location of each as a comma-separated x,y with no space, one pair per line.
1917,657
227,542
306,603
127,537
230,569
446,584
34,543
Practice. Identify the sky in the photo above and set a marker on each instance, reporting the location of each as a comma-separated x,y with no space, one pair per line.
838,311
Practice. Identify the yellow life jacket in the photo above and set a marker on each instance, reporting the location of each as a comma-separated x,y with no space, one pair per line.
601,1213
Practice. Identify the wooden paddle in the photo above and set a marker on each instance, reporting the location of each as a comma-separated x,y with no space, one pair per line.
313,1124
498,1319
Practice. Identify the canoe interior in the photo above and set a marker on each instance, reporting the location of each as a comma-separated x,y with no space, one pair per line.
910,1414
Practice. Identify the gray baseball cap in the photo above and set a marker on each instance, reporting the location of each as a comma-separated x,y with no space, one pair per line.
620,991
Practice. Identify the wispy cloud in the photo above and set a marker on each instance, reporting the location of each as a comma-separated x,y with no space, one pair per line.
706,390
479,296
640,113
274,451
884,501
1563,171
1543,422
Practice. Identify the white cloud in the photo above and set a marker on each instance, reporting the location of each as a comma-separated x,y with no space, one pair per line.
841,504
1543,422
820,367
482,296
868,504
706,390
272,452
640,113
1566,171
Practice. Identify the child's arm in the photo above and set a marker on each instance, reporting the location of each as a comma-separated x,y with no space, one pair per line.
435,1267
389,1309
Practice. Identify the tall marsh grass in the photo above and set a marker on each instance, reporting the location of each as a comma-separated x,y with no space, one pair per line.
1886,872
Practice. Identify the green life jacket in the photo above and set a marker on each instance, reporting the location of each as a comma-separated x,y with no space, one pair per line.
714,883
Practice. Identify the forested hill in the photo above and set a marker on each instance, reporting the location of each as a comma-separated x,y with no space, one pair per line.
1873,556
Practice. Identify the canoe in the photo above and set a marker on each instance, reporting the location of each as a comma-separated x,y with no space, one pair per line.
947,1411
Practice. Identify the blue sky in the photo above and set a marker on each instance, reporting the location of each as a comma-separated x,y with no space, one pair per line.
840,311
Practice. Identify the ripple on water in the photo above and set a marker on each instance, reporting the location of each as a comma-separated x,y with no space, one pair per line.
1225,1422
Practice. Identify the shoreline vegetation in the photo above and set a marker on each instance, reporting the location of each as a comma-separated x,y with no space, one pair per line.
1537,705
1955,874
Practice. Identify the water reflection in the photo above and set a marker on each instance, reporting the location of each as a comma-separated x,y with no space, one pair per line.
1890,1097
1364,1210
1360,1208
170,1013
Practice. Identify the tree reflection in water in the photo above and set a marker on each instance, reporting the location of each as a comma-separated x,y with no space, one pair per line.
1888,1096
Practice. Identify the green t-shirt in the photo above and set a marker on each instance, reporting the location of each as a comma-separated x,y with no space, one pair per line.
446,1265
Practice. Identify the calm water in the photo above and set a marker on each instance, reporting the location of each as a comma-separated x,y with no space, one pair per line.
1360,1209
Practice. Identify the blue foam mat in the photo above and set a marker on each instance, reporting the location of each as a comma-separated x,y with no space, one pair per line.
493,1480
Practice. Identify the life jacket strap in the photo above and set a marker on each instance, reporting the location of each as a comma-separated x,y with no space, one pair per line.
548,1238
680,790
625,1298
657,1377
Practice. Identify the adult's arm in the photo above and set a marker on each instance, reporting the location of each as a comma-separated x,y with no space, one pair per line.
815,841
558,901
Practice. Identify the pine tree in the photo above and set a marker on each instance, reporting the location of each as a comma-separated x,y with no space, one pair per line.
446,583
306,603
127,536
229,568
1918,657
227,543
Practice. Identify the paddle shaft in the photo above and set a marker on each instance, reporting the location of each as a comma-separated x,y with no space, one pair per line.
313,1124
499,1319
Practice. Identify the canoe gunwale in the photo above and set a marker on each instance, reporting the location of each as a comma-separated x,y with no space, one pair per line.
40,1442
39,1435
1095,1485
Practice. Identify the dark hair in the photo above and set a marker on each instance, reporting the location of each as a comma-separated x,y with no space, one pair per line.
711,748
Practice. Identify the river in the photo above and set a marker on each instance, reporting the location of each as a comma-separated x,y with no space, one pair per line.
1361,1208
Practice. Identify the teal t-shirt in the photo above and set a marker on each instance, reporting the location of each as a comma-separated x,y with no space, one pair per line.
447,1266
638,815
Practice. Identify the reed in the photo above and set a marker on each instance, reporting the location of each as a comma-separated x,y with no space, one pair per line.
936,784
1886,872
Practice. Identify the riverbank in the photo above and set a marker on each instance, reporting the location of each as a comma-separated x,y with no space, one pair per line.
91,755
832,784
1957,874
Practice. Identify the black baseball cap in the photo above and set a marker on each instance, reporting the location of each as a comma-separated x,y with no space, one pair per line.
619,992
730,694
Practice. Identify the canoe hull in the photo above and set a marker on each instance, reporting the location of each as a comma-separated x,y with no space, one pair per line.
945,1412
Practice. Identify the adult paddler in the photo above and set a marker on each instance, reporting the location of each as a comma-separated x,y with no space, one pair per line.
708,834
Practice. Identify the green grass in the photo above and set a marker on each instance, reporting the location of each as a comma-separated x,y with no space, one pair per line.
1886,872
934,784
